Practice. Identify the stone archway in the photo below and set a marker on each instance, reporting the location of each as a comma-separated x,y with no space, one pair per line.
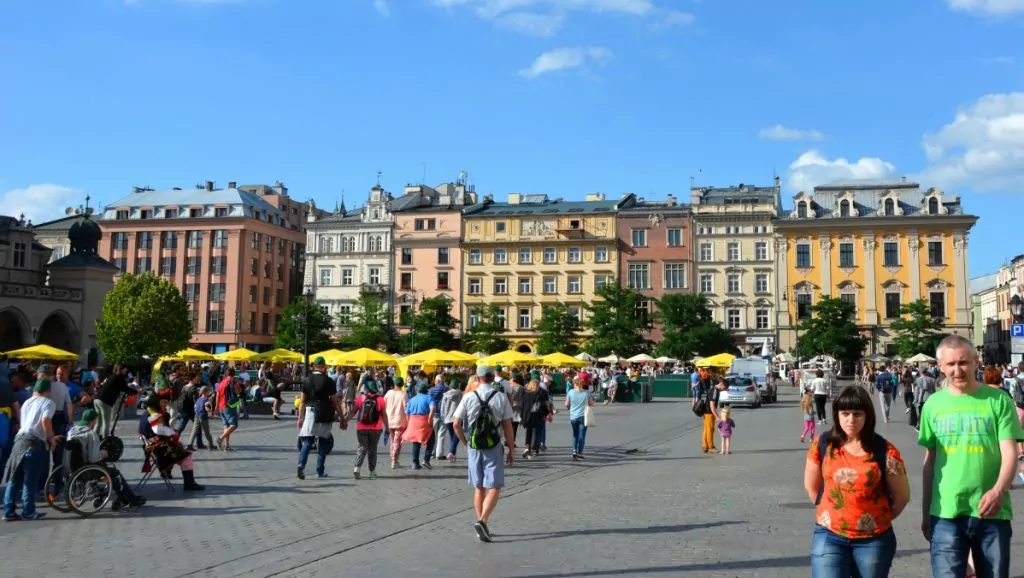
58,330
14,329
524,348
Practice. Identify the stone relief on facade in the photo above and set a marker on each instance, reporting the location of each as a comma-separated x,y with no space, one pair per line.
914,242
869,247
960,244
826,246
537,228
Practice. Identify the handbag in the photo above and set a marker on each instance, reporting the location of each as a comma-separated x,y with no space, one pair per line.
588,417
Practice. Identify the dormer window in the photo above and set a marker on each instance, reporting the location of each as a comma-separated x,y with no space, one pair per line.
801,210
889,208
376,215
933,206
844,208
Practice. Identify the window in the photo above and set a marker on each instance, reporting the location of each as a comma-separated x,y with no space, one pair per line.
475,286
643,309
844,208
575,284
252,294
639,276
195,239
405,281
146,240
500,256
347,244
601,281
933,206
195,213
524,318
419,224
475,257
215,321
373,275
170,213
706,252
639,237
499,227
406,256
675,276
442,255
326,277
120,240
525,256
891,254
254,266
121,263
846,255
346,276
220,239
122,215
550,255
601,254
442,279
474,317
801,210
675,237
255,240
217,292
550,285
500,318
500,285
803,306
143,265
219,265
266,296
371,244
194,265
803,255
935,253
525,285
892,305
574,313
251,325
575,255
733,283
220,212
168,265
193,318
280,272
281,244
761,317
266,269
733,250
937,301
265,323
707,283
850,298
326,244
344,314
169,240
279,298
761,283
761,250
405,315
890,207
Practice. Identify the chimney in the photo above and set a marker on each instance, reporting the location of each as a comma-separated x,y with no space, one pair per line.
671,200
232,185
594,197
514,198
778,181
209,185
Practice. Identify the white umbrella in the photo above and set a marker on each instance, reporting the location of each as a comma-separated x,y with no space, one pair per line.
664,359
610,359
641,358
785,358
585,357
921,358
764,349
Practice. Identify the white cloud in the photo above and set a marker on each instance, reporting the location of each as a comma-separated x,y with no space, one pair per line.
546,17
785,133
983,147
564,58
674,18
812,169
382,7
988,7
40,203
1000,61
531,23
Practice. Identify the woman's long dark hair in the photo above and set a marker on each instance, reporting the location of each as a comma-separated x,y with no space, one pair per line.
853,398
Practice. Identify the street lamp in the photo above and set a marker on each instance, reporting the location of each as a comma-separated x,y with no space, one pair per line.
1017,308
307,300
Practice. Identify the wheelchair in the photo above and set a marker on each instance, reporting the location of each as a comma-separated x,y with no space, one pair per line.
88,488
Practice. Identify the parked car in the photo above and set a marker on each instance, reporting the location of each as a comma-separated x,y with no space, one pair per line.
760,370
741,391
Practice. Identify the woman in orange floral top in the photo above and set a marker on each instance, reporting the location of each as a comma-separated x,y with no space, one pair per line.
853,533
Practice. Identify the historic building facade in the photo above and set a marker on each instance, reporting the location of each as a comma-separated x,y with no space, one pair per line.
655,241
349,253
878,245
427,237
734,255
237,253
532,251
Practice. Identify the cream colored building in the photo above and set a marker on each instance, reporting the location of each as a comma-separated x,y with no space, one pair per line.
734,256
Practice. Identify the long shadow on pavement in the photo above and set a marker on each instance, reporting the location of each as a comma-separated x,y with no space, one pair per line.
526,537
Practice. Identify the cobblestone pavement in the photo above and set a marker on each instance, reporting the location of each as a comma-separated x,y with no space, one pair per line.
647,502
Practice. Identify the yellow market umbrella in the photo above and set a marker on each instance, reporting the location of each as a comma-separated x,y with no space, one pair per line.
431,357
561,360
240,354
280,356
509,357
329,355
720,360
42,352
189,354
464,358
364,357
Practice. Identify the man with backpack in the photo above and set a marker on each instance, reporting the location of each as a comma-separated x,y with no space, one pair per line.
319,408
482,422
369,411
884,385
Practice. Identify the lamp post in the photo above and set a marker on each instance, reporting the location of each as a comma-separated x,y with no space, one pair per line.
307,300
1017,308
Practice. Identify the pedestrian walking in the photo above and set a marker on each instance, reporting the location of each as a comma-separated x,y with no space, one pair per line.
578,401
726,425
370,410
885,388
807,407
319,408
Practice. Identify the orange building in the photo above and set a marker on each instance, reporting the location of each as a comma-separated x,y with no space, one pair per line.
237,254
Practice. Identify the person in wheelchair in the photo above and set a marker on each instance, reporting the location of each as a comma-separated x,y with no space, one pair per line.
162,441
84,440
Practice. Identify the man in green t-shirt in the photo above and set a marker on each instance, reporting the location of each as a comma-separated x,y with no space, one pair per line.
970,433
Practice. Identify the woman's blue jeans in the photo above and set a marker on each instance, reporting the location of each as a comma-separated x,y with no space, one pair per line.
833,556
579,435
25,481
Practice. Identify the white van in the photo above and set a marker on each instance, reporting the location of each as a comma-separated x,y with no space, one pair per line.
760,370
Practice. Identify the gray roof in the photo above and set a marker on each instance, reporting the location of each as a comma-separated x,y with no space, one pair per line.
61,224
737,195
489,209
868,197
982,284
240,202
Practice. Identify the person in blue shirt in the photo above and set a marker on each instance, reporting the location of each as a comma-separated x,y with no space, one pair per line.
420,411
884,383
577,400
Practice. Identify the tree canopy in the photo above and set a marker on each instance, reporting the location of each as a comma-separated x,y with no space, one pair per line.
559,331
919,331
369,325
432,326
143,315
487,335
290,327
689,328
617,322
831,330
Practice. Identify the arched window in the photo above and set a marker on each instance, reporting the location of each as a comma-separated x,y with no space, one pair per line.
326,245
890,207
380,243
844,208
373,244
801,210
345,247
933,206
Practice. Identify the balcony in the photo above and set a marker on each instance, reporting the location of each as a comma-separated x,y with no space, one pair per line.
374,288
571,227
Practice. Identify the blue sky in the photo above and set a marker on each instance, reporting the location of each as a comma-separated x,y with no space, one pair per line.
557,96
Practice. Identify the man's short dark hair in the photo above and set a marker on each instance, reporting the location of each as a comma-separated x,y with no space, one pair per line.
230,372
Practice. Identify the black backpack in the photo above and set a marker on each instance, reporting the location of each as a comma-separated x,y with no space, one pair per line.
879,455
701,406
369,414
483,432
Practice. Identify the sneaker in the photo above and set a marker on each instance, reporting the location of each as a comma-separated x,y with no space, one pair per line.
526,453
581,456
276,417
373,475
35,516
356,473
417,467
220,444
481,532
575,458
451,458
300,474
428,466
801,440
322,475
12,518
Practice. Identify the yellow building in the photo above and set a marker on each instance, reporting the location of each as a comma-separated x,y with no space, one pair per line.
878,245
531,252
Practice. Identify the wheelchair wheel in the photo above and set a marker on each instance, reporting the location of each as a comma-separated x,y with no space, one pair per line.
114,447
90,489
57,501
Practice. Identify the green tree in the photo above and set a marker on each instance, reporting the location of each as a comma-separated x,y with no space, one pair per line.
559,331
487,335
830,330
618,321
143,315
369,324
690,329
920,332
293,322
432,327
